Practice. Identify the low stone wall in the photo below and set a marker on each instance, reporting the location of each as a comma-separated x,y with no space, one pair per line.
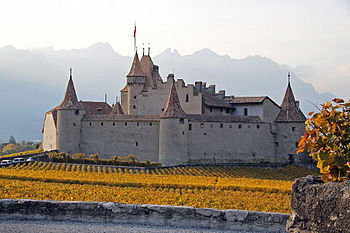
319,207
159,215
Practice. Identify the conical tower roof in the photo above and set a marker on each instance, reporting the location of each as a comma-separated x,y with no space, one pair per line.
70,100
290,112
117,110
147,68
173,107
136,70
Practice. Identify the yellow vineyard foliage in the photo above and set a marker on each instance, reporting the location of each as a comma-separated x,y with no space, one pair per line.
190,186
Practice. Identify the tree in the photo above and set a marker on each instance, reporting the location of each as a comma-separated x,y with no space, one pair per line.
12,140
11,148
327,139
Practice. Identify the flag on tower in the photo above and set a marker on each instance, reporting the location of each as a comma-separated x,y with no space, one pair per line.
135,31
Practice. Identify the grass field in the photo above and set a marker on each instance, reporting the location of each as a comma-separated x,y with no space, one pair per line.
224,187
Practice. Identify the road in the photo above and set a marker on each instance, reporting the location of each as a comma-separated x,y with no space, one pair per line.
35,226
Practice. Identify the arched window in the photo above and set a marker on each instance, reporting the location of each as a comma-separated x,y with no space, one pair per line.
187,98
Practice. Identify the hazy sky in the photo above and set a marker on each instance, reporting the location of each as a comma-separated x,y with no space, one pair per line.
313,37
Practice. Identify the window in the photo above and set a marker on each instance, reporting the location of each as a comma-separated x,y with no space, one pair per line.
113,123
89,123
293,129
258,126
276,144
150,124
239,126
74,124
99,110
205,134
137,124
221,109
137,143
227,110
187,98
189,126
245,111
221,125
211,109
202,125
183,132
162,109
181,121
76,112
134,107
296,144
230,126
126,123
101,123
134,96
211,126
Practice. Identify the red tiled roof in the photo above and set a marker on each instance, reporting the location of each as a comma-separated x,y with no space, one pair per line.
96,108
245,100
147,68
117,109
173,107
213,101
289,110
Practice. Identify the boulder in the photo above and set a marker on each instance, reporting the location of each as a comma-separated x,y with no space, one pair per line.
319,207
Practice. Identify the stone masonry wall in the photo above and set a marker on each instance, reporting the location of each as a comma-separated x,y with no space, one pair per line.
178,216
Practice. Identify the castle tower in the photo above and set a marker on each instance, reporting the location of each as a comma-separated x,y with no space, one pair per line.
136,81
290,126
173,132
150,70
69,115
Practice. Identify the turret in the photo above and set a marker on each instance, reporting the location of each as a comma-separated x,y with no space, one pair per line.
69,115
136,81
290,127
173,132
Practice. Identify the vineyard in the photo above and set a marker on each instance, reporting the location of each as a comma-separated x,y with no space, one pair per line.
226,187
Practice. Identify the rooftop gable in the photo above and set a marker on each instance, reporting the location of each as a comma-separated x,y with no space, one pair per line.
136,70
173,107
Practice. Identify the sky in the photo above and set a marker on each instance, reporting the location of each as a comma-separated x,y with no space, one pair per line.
311,37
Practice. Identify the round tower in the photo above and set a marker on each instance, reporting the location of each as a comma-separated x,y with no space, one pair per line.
173,132
69,116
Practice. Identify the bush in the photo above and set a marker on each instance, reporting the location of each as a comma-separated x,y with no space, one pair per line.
327,139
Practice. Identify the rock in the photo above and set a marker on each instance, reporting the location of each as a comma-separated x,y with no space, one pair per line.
319,207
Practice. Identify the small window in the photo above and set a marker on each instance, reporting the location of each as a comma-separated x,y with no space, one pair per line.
74,124
137,143
202,125
101,123
183,133
221,125
162,109
227,110
76,112
239,126
189,126
99,110
137,124
134,96
205,134
221,109
211,109
248,126
276,144
89,123
134,107
187,98
211,126
150,124
205,153
293,129
258,126
113,123
246,112
230,126
296,144
181,121
126,123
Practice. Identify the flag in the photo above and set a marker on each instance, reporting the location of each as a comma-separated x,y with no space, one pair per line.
135,31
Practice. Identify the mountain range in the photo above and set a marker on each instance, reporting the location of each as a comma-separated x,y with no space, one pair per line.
33,81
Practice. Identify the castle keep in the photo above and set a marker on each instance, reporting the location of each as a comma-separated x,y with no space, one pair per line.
174,123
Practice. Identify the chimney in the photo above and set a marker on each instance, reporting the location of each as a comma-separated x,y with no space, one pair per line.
198,86
221,94
170,78
211,88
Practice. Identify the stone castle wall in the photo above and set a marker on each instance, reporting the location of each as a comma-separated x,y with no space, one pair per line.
50,136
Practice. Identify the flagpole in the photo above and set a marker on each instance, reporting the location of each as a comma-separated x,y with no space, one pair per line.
135,39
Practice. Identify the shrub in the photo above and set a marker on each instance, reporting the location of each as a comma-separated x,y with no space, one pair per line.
327,139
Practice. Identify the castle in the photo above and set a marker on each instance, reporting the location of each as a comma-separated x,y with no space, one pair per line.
174,123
